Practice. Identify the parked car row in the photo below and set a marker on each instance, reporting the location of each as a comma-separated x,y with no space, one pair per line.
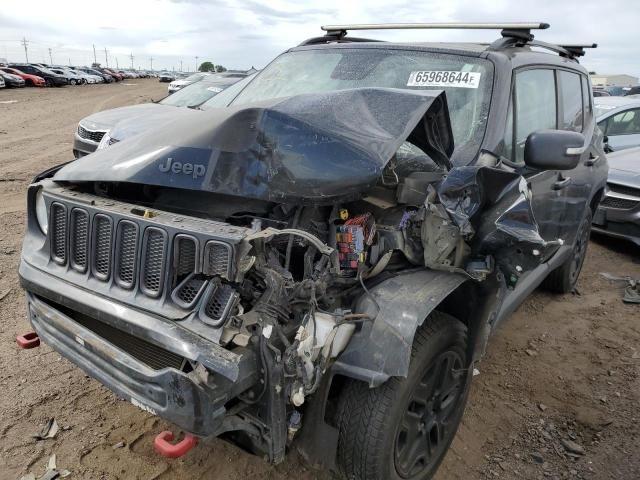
16,75
99,130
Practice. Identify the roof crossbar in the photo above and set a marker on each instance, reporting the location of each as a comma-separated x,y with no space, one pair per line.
421,26
517,30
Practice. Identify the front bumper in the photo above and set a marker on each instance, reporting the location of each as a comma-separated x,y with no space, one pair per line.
60,81
83,146
616,222
194,401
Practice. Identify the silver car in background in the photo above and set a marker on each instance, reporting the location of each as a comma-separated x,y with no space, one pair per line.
619,212
619,120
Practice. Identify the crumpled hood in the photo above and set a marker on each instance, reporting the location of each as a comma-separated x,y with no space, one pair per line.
624,167
306,148
109,118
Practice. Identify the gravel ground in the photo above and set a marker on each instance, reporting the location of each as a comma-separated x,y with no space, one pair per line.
563,368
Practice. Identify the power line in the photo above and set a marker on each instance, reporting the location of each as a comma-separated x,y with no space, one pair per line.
24,44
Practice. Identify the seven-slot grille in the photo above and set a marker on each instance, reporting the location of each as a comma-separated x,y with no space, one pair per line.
92,135
135,255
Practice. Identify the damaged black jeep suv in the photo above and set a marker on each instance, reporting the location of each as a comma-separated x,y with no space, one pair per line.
320,264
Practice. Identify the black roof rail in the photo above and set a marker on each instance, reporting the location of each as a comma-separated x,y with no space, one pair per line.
577,50
330,37
567,51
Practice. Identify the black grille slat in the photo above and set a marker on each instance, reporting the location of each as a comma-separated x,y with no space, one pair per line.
621,203
186,256
153,261
126,258
102,245
188,292
217,259
221,297
79,239
58,233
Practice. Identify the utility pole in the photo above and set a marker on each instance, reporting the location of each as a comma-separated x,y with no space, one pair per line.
131,56
117,66
95,60
196,64
151,63
25,42
106,56
180,65
50,58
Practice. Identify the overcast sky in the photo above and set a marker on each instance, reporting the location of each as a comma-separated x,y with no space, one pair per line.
240,34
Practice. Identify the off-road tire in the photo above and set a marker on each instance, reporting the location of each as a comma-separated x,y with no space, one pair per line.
369,419
564,278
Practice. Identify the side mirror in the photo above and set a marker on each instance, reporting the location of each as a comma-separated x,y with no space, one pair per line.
554,149
605,144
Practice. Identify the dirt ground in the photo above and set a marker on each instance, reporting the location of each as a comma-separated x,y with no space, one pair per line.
563,368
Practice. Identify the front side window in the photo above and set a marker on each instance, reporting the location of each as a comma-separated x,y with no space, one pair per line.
535,107
572,109
467,82
624,123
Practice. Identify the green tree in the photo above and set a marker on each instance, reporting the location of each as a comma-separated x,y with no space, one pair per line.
206,67
220,68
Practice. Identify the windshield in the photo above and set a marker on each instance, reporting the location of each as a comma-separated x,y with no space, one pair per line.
224,98
600,110
195,77
466,81
193,95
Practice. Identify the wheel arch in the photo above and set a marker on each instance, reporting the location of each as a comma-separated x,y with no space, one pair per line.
473,303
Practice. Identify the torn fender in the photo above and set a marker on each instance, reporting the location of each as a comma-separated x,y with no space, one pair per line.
382,348
493,210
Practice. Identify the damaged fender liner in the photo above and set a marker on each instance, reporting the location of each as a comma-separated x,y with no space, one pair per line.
193,403
382,349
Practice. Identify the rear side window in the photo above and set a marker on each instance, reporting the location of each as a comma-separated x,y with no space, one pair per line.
572,99
534,104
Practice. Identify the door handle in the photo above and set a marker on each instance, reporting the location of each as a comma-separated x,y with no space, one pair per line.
592,160
562,183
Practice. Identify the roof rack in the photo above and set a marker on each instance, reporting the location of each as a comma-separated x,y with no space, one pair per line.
515,34
337,33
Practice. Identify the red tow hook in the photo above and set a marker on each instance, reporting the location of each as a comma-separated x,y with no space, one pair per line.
166,449
28,340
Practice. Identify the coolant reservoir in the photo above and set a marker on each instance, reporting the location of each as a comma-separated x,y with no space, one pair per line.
324,335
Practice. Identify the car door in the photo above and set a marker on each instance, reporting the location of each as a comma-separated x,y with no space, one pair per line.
534,107
576,114
623,129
